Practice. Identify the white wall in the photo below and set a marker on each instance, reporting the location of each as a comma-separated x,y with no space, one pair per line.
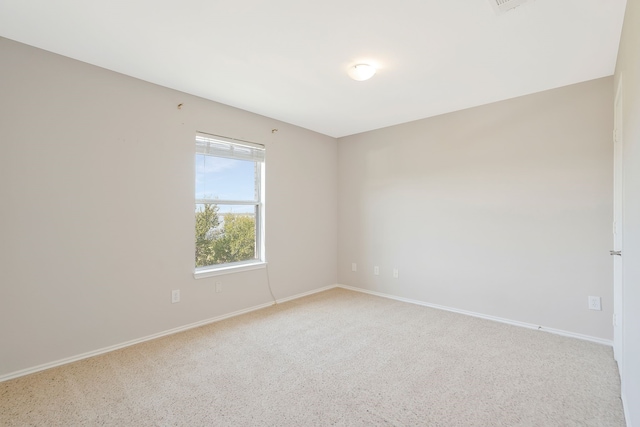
97,208
628,68
503,210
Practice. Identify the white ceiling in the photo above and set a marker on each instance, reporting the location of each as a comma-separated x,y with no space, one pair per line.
287,59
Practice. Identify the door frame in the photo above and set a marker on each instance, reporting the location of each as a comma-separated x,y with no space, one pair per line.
618,222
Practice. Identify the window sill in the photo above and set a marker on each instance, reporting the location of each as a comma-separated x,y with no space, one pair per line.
219,271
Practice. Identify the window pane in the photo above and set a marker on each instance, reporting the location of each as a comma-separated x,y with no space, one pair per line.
225,179
225,233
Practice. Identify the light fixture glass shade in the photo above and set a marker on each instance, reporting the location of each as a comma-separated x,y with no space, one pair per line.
361,72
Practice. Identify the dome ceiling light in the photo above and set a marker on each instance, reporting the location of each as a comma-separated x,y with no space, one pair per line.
361,72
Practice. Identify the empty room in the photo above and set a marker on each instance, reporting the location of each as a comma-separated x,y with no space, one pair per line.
283,213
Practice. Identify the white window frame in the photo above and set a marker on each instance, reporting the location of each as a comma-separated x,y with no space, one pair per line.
218,146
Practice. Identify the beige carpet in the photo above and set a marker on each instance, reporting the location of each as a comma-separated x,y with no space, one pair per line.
338,358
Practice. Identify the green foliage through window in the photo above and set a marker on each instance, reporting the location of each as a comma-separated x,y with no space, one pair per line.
226,241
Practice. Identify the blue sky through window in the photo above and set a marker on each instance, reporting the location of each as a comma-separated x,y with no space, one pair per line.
225,179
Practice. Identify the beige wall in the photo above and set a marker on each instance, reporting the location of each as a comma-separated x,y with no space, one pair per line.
628,68
503,210
97,214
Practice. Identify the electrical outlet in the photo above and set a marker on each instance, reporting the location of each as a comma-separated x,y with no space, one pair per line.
395,273
376,270
175,296
595,303
218,286
354,267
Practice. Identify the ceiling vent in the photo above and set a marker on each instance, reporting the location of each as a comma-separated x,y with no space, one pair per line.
502,6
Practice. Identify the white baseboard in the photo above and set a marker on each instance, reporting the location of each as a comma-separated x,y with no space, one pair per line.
315,291
484,316
88,354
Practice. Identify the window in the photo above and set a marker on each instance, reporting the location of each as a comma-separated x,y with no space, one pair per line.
228,205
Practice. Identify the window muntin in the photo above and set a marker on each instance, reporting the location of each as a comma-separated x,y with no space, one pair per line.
228,203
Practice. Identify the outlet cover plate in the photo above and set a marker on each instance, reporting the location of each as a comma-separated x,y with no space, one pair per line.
595,303
175,296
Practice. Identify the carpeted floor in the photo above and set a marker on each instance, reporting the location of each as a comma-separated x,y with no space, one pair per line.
337,358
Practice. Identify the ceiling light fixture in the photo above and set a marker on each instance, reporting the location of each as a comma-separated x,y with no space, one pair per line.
361,72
